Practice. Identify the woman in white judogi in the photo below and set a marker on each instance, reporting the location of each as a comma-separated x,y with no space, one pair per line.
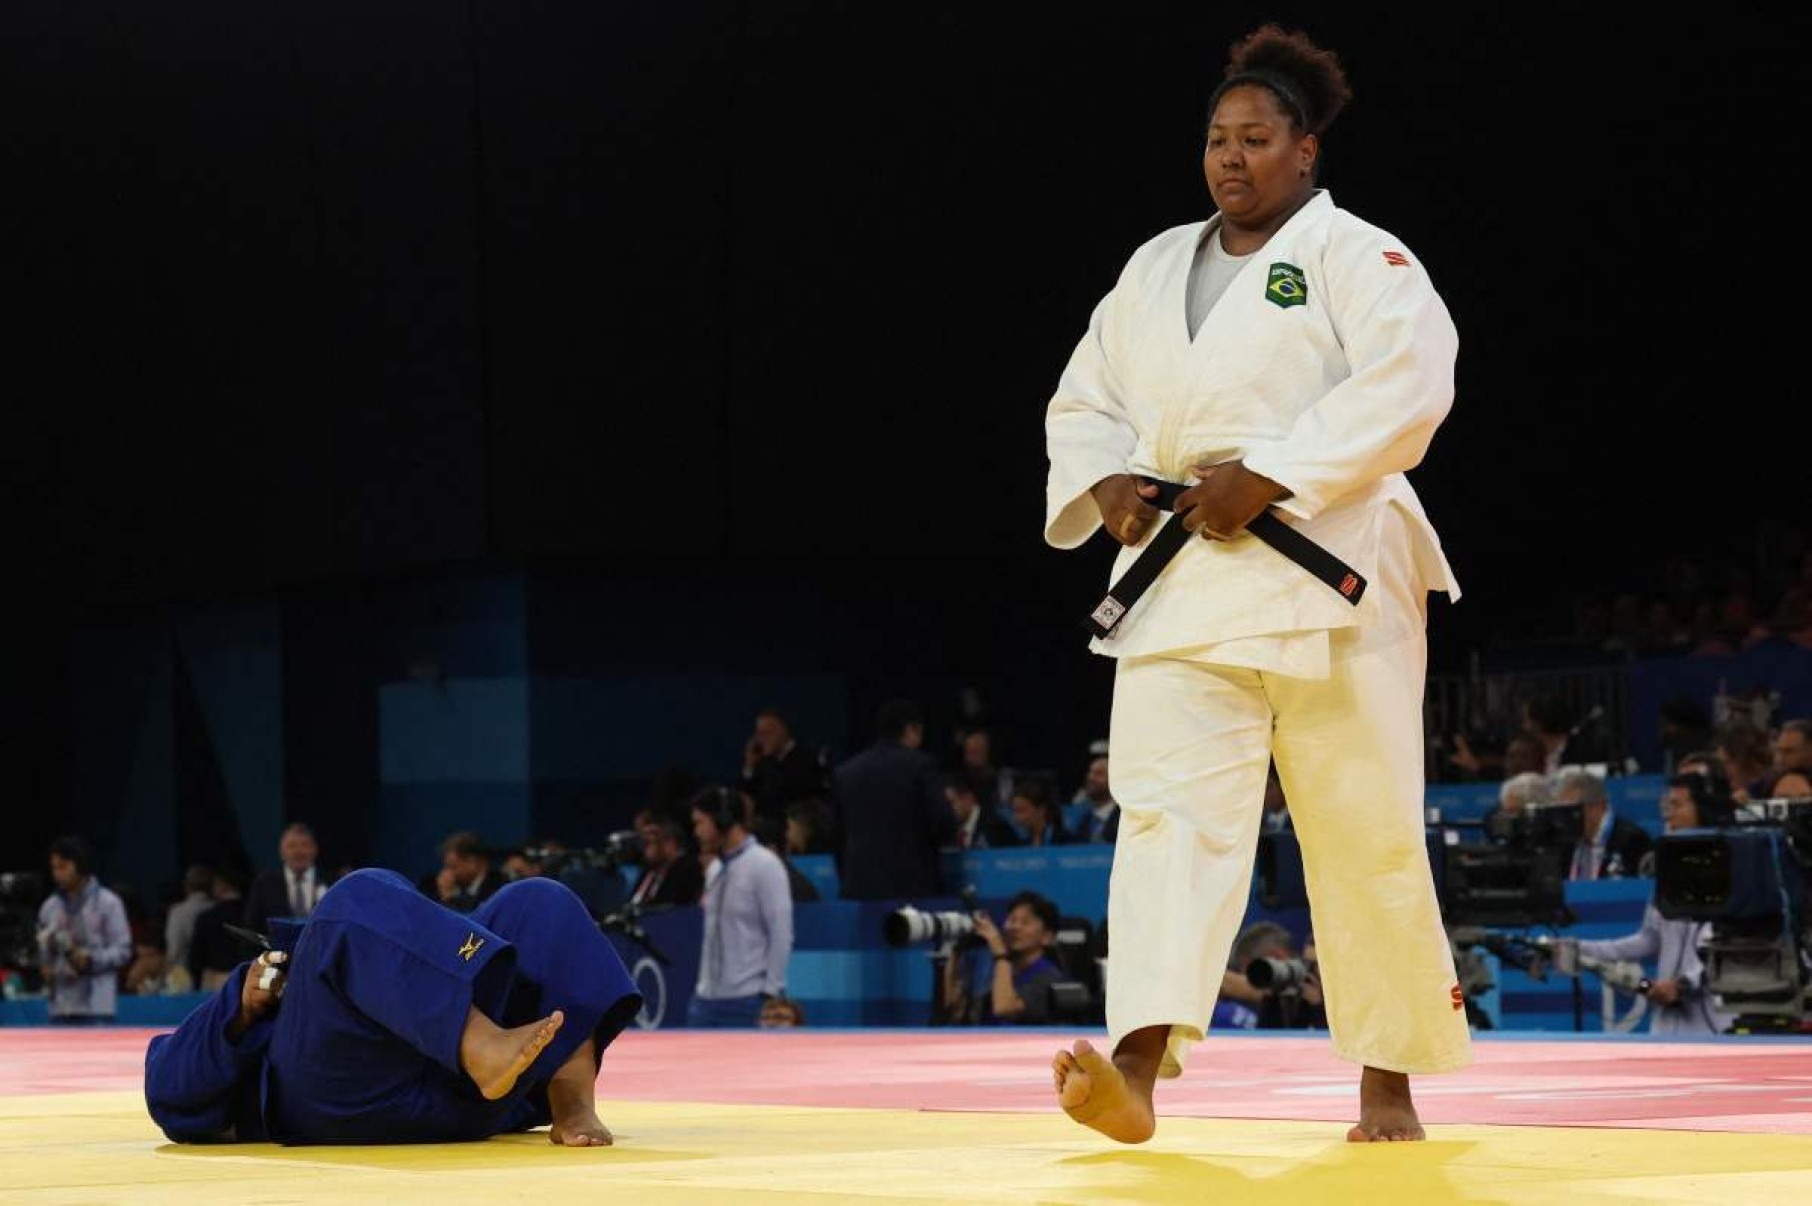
1283,354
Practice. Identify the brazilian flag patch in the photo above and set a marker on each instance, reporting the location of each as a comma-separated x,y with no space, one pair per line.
1287,286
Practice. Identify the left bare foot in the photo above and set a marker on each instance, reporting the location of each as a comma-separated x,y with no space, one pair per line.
581,1128
1386,1114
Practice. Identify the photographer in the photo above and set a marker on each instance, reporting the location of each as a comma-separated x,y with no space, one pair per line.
1019,981
1681,1005
83,938
1290,998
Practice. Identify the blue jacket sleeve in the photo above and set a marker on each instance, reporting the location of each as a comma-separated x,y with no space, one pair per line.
200,1085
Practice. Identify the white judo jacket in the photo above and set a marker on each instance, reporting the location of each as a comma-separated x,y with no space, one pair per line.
1326,365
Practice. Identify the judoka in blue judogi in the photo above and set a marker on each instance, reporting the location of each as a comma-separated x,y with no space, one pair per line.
401,1021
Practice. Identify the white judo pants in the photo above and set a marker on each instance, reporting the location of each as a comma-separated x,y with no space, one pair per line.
1190,747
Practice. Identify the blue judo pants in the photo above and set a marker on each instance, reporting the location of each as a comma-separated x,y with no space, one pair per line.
366,1043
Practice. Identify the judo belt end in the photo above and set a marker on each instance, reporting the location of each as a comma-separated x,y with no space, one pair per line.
1106,615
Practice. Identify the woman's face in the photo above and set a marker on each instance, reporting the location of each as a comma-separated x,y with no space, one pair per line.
1256,164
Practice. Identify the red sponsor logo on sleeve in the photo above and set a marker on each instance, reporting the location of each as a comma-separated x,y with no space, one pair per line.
1457,996
1396,259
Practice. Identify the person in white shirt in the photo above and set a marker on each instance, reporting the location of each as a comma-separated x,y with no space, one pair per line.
748,907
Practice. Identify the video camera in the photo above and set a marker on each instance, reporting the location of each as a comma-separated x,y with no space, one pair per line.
1507,871
1748,882
594,873
20,894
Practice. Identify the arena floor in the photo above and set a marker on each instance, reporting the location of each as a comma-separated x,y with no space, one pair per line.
923,1116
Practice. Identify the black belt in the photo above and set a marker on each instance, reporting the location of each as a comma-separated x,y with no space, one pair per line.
1342,578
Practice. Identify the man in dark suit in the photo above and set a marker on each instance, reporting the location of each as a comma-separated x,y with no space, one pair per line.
292,889
466,878
891,812
777,770
671,874
1610,846
977,828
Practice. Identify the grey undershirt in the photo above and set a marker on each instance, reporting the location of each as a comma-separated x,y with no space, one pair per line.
1209,275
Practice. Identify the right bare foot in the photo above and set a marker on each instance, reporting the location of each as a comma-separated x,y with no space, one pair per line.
1093,1091
494,1057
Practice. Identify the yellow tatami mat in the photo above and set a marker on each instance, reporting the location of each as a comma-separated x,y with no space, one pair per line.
102,1148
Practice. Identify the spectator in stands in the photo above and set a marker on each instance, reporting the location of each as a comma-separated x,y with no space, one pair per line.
146,974
781,1013
1035,812
748,918
179,922
1791,785
891,812
977,828
1748,761
1793,747
995,782
293,888
1277,807
1489,758
671,873
83,938
1020,972
1566,740
1611,847
214,953
777,770
1680,1003
806,826
1100,819
1524,752
466,878
1685,727
1514,799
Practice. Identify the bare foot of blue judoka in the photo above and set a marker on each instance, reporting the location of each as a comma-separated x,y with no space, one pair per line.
572,1100
494,1057
1386,1114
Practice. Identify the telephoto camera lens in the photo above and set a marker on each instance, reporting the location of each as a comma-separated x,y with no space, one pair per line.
1277,975
907,925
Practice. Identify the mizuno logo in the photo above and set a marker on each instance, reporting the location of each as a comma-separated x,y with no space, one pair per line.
1396,259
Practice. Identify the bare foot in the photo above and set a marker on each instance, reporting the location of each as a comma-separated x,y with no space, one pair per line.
494,1057
572,1099
582,1128
1097,1093
1386,1114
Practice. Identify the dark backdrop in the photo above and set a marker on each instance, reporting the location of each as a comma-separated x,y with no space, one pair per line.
341,291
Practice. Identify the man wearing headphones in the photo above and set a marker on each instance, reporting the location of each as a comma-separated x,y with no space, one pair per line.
748,917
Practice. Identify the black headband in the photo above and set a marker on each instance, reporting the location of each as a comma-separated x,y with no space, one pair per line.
1286,92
